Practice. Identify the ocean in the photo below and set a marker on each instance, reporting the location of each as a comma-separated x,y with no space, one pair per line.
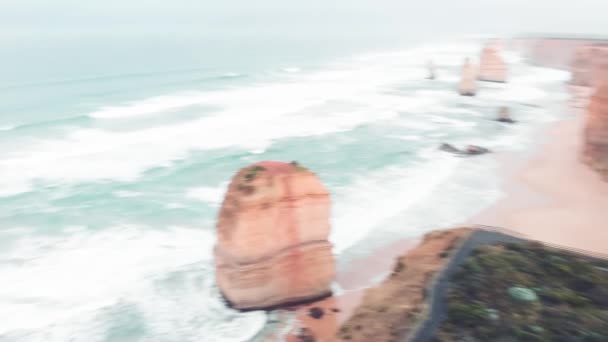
114,157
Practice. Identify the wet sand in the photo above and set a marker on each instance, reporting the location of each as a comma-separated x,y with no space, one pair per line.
553,197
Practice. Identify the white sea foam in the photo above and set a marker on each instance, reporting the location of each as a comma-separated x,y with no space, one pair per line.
149,106
232,74
97,282
126,193
78,287
7,128
210,195
9,188
291,70
382,195
253,117
173,205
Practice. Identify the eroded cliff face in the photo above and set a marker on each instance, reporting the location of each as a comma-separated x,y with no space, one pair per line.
585,70
595,150
555,52
598,62
492,67
587,65
467,85
582,67
272,245
391,311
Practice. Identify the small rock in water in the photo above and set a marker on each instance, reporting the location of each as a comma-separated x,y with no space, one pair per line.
522,294
316,313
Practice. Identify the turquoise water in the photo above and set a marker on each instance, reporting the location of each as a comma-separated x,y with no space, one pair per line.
114,156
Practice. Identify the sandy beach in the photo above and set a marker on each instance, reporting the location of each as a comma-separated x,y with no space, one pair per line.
553,197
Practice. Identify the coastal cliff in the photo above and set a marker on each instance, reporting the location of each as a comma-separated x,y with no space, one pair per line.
595,149
555,52
485,284
272,245
598,64
582,68
394,308
587,65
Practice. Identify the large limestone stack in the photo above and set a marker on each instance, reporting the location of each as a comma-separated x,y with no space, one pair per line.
491,66
467,85
595,151
272,243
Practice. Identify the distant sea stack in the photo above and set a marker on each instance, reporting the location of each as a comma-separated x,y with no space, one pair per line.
272,245
595,151
492,68
467,85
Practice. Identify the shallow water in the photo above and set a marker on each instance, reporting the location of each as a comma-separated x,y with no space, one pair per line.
108,199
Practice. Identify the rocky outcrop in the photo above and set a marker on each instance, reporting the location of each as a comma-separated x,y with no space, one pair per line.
492,68
595,150
272,244
467,85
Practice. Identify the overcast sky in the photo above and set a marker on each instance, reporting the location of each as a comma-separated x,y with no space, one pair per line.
39,17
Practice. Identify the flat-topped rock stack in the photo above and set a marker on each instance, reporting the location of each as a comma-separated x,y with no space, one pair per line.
492,68
468,85
595,150
272,245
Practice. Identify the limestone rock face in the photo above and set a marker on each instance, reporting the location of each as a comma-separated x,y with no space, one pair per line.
582,67
595,151
492,68
586,69
467,85
272,244
597,61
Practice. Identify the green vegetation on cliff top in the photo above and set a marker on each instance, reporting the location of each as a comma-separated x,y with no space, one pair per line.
527,292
